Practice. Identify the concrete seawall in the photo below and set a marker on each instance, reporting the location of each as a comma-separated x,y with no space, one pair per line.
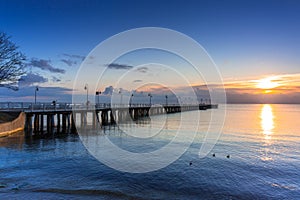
17,124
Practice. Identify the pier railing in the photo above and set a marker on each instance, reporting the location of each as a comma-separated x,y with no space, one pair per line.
27,106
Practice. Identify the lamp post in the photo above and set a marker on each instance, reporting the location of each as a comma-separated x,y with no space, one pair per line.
150,96
130,100
121,101
86,87
166,100
97,94
35,91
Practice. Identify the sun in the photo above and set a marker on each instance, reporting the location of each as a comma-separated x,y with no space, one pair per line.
267,83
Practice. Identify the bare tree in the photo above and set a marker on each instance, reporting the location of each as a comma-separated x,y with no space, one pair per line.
12,63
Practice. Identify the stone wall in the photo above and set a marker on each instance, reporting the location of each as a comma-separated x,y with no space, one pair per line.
17,124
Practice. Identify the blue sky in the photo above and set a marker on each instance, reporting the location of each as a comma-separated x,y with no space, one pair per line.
246,39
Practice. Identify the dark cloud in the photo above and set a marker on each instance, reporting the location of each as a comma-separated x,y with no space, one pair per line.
71,59
10,86
142,69
45,94
74,56
118,66
45,65
30,79
137,81
55,79
108,90
69,62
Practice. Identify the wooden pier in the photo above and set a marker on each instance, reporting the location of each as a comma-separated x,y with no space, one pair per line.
47,120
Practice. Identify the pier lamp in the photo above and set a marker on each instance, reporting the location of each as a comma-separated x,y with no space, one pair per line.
86,87
121,100
130,100
150,96
166,100
35,91
98,94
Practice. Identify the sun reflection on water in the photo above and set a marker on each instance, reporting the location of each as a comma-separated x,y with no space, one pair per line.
267,121
267,127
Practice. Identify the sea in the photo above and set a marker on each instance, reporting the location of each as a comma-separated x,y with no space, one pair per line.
255,155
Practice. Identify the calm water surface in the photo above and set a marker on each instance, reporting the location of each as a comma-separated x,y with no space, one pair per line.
263,142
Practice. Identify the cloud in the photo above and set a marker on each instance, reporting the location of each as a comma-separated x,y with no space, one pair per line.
118,66
45,94
72,59
69,62
91,57
137,81
31,78
74,56
108,90
45,65
142,69
55,79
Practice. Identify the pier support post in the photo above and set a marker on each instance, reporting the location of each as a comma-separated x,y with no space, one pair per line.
28,125
68,115
64,123
104,117
94,119
97,119
42,124
48,124
73,123
36,124
112,118
58,123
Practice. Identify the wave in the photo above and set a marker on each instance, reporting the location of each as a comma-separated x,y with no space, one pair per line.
109,193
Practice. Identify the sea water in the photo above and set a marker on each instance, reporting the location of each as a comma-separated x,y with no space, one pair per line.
261,141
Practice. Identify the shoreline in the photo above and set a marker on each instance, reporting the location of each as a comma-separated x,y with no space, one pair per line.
11,122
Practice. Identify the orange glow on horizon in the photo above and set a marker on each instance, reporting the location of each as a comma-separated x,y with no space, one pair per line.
268,91
273,84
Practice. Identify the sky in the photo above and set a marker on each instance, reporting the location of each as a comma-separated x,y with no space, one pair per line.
254,44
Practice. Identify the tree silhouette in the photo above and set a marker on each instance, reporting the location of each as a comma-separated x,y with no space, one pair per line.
12,63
